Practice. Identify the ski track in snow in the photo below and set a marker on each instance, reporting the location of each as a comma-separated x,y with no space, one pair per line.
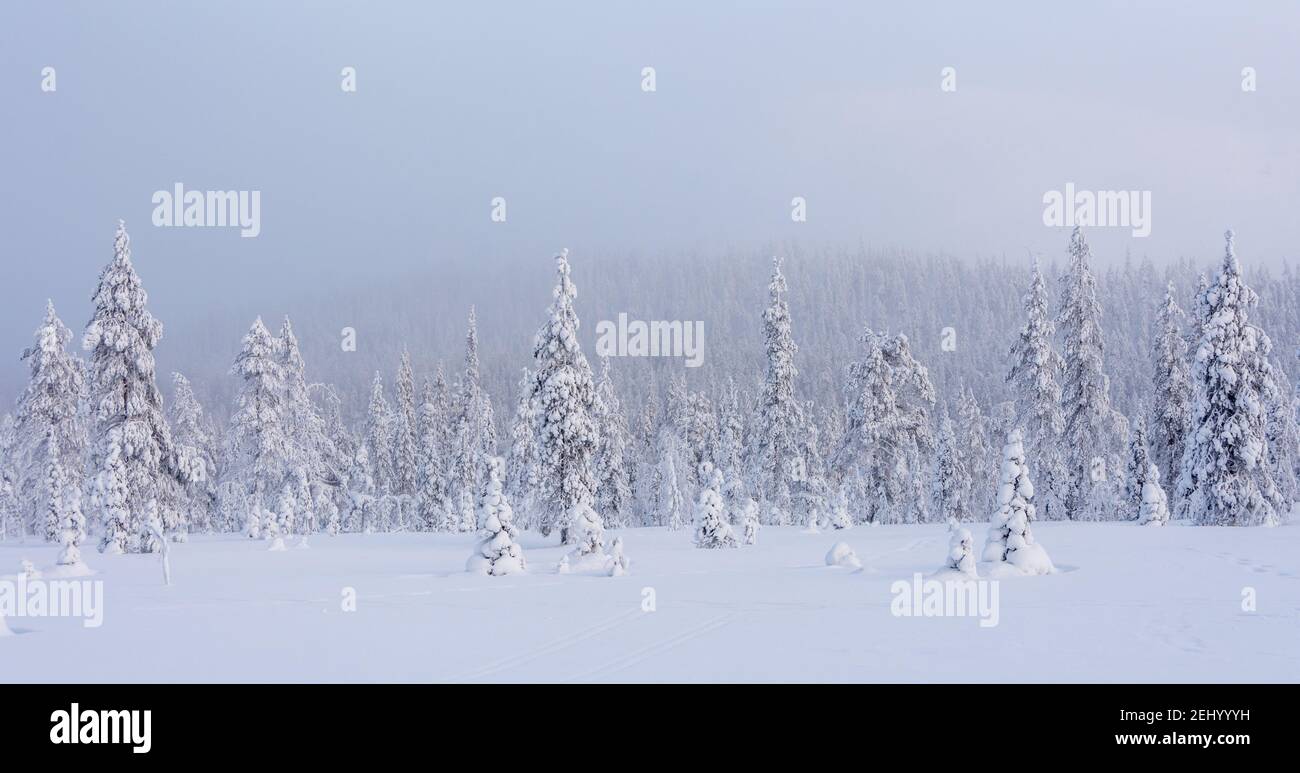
555,646
656,649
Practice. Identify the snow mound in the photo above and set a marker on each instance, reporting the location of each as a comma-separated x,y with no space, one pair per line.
841,554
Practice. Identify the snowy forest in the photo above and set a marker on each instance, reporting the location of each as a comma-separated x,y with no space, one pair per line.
838,389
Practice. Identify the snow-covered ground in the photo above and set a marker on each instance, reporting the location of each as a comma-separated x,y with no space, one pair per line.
1128,604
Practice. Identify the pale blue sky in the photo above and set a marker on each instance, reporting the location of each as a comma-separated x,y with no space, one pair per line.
757,102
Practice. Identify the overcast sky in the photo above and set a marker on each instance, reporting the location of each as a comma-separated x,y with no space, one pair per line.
541,103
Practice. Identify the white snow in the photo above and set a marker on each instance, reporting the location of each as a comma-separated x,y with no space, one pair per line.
1128,604
841,554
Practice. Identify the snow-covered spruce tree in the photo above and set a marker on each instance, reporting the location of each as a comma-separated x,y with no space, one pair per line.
257,445
711,527
125,403
748,522
1010,538
1092,428
1173,387
475,422
565,396
1155,504
1282,406
731,435
951,484
498,554
840,518
62,520
1137,471
961,552
341,449
430,485
887,429
779,415
405,429
9,520
649,476
362,510
523,474
1035,381
588,532
379,438
973,442
618,564
49,412
700,434
314,462
613,493
810,495
112,497
1224,478
193,437
670,496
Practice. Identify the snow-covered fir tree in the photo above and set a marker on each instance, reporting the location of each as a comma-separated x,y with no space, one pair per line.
1154,510
195,442
618,563
1137,471
405,429
613,493
314,463
256,443
475,423
731,434
1092,428
1010,537
566,400
430,484
588,533
840,517
670,496
748,521
49,412
700,434
1283,406
976,453
1224,478
1173,388
961,552
1035,381
65,498
112,497
887,428
379,438
649,474
498,553
132,441
951,484
523,474
779,419
711,527
9,515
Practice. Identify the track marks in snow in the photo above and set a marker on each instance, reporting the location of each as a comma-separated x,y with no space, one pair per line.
657,648
557,645
1250,564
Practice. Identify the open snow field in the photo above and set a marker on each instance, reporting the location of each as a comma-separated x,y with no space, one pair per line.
1128,604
